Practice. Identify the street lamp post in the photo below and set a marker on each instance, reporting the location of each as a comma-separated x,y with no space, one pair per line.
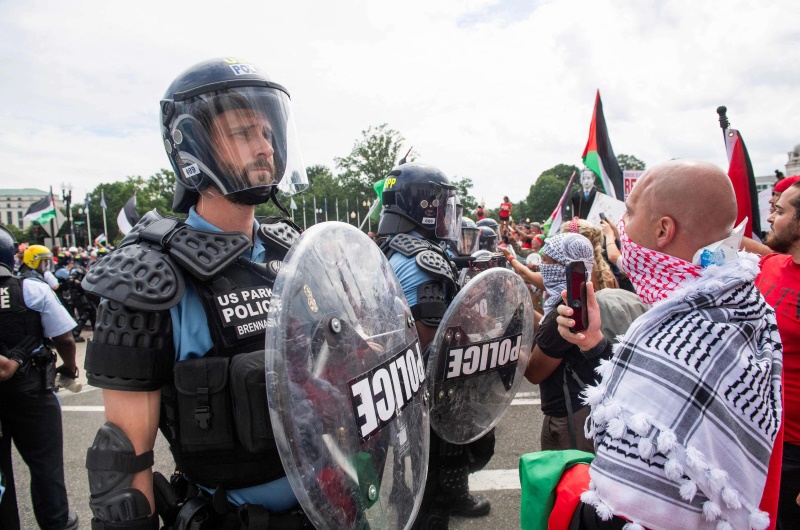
366,204
66,196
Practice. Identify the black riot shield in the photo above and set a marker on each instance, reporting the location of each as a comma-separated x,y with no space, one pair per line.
479,355
346,383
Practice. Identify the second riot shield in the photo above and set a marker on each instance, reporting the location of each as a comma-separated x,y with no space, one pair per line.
479,356
346,383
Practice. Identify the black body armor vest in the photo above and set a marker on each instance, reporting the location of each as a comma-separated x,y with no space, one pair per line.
17,321
214,411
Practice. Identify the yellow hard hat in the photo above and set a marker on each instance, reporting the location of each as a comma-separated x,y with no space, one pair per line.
35,254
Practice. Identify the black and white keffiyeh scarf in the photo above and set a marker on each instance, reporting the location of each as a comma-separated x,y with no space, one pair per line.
563,248
685,417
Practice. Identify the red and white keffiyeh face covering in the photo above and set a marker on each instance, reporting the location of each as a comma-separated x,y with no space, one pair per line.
654,274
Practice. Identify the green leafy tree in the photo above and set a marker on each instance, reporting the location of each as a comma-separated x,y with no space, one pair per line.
373,156
547,190
464,187
630,162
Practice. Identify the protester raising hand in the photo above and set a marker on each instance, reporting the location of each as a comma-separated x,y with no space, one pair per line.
528,276
611,237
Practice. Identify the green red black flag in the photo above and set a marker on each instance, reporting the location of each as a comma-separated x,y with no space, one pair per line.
599,156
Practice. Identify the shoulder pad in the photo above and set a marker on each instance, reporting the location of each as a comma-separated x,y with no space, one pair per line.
146,220
278,233
202,253
408,245
138,276
436,264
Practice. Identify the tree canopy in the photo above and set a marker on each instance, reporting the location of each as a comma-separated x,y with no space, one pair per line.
630,162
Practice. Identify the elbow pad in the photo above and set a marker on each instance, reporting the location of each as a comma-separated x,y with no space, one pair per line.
112,463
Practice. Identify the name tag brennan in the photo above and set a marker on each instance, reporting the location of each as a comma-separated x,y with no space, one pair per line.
380,394
246,309
482,357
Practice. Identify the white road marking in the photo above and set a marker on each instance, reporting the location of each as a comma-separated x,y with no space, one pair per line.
101,408
518,401
494,479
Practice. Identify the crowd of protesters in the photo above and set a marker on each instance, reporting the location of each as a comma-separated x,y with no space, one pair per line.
623,388
63,269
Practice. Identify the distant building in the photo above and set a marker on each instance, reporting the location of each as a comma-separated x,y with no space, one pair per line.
15,202
793,164
767,182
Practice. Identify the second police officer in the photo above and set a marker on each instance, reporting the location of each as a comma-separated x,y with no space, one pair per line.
421,211
171,348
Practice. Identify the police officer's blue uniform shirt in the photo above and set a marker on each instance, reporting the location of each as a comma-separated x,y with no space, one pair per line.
192,339
62,274
410,274
39,297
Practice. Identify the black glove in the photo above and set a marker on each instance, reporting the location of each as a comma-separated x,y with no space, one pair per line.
23,351
63,370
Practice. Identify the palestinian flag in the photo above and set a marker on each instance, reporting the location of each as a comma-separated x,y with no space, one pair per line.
128,216
599,156
375,211
42,211
740,171
552,225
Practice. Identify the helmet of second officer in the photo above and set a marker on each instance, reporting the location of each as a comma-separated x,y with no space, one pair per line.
419,197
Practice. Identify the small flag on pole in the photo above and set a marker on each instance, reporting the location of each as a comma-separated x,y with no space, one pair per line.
741,174
128,216
292,204
41,211
103,200
553,224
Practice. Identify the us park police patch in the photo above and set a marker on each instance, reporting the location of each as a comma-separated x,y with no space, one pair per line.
246,310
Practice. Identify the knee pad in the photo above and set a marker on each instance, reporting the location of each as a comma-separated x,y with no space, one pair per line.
112,463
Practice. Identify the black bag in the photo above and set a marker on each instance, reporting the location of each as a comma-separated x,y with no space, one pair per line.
204,405
249,392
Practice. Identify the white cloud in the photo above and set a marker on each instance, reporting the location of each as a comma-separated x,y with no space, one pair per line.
493,90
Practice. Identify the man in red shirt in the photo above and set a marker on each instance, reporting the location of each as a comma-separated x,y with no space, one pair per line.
779,282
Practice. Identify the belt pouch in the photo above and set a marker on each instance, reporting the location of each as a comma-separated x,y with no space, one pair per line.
204,405
250,409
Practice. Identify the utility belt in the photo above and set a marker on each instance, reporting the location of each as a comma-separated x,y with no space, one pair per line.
38,376
216,419
181,505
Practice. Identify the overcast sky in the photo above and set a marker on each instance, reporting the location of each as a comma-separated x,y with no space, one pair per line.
497,91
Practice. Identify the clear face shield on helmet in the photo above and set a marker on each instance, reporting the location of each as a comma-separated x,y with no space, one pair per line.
237,139
470,240
448,215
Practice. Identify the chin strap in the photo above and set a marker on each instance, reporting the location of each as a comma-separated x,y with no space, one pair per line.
274,197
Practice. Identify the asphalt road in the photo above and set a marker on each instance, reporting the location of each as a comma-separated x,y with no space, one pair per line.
516,434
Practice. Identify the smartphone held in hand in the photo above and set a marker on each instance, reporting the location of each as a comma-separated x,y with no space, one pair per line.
576,295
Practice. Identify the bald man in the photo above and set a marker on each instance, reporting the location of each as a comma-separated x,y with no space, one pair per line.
686,416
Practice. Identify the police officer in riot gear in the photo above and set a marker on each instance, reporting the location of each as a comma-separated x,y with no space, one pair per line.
29,411
181,327
421,211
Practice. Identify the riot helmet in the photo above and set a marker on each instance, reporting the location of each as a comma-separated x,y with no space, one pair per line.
419,196
488,239
491,223
8,248
227,126
36,256
470,237
63,259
